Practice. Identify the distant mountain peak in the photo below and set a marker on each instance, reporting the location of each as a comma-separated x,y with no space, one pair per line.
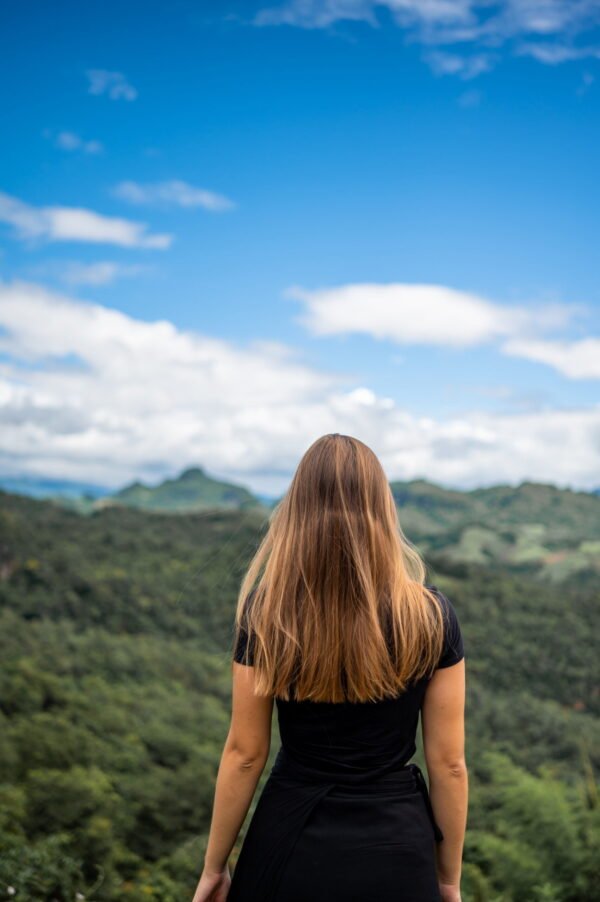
192,490
193,473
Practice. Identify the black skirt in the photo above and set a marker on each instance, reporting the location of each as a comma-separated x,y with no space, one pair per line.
356,838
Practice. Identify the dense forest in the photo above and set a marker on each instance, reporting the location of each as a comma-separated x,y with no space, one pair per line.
116,629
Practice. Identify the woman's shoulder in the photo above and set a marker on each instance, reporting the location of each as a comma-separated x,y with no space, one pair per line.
244,643
453,650
445,601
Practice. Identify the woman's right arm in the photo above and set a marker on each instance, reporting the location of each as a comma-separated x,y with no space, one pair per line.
443,731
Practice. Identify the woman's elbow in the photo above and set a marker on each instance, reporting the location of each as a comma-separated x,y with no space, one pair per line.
246,756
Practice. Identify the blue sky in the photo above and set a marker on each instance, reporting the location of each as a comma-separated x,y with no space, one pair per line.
227,228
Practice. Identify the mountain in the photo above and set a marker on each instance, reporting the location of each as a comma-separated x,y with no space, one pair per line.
533,528
431,508
191,491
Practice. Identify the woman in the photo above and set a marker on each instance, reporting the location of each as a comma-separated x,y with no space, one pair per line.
336,625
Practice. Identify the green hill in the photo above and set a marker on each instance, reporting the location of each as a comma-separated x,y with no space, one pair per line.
429,508
532,528
192,490
115,639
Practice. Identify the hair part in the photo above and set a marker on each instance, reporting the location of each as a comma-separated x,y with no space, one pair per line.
333,602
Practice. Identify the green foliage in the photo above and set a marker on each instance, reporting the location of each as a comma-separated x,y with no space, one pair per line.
531,836
115,638
537,529
41,870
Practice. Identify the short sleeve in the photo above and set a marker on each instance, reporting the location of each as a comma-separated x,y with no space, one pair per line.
241,643
453,650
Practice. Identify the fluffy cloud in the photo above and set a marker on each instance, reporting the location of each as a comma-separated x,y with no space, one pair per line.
113,84
574,359
70,141
440,20
420,314
90,393
553,54
76,224
174,192
444,63
548,30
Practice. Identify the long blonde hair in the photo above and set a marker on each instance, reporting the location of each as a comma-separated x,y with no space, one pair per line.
334,600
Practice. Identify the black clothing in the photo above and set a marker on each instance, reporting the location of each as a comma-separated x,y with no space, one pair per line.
343,816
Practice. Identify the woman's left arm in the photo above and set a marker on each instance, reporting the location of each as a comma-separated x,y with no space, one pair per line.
243,760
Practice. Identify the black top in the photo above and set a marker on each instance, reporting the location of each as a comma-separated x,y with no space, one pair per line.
347,737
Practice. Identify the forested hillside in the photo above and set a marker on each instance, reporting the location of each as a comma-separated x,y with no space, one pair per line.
535,529
115,638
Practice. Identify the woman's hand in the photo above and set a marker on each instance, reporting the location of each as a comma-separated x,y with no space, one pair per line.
450,892
213,887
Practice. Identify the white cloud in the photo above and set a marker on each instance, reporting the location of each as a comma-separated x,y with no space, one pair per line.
574,359
316,13
553,54
174,192
110,397
420,314
76,224
113,84
550,29
102,272
322,13
444,19
444,63
71,142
